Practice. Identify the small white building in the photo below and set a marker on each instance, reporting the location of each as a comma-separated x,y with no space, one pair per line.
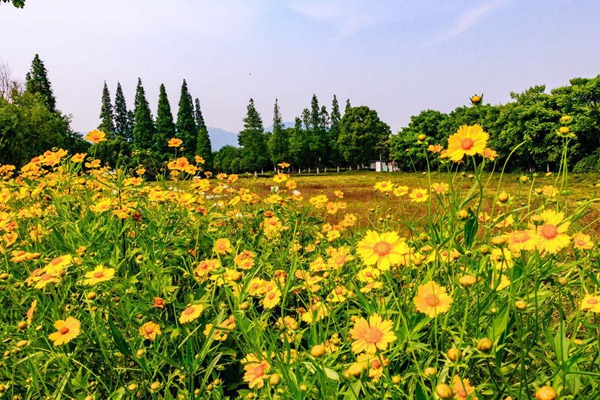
383,166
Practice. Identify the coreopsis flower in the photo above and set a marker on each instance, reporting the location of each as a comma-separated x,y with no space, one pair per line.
372,363
468,140
95,136
222,246
440,187
591,303
582,241
522,240
174,142
376,334
490,154
78,157
551,232
31,311
435,148
418,195
476,99
272,298
368,274
66,330
245,259
220,332
60,263
150,330
191,313
338,295
431,299
158,302
400,190
205,268
315,313
20,256
384,187
99,274
338,257
255,374
462,388
178,165
383,250
280,178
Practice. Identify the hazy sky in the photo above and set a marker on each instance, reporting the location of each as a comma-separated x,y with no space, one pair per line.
398,57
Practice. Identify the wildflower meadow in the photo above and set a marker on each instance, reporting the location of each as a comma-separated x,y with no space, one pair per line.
193,286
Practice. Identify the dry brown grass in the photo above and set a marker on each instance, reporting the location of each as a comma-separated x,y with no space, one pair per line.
369,205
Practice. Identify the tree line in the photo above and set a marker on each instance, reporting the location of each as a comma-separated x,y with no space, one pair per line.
320,138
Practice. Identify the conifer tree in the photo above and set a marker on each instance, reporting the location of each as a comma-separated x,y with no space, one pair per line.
107,124
252,140
278,142
317,135
334,132
122,126
299,148
36,81
143,130
165,127
348,106
186,125
203,147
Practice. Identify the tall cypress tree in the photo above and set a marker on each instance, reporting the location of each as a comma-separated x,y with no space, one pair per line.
204,146
317,135
36,81
165,127
278,142
252,140
122,127
186,125
348,106
107,124
299,149
334,132
143,130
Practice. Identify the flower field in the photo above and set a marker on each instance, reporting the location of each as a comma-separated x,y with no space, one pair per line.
198,286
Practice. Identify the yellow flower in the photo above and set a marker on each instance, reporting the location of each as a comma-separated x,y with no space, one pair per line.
418,195
222,246
174,142
551,232
191,313
468,140
383,250
582,241
66,330
400,191
372,335
431,299
440,187
462,388
591,302
220,332
78,157
280,178
99,274
149,330
96,136
256,373
272,298
521,240
245,260
490,154
383,187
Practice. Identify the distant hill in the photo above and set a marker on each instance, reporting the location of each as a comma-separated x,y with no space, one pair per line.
287,124
220,138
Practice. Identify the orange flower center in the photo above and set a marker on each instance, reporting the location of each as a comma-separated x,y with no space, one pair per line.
520,237
46,277
339,290
375,364
149,330
549,231
593,301
382,248
99,274
271,296
466,143
419,195
189,310
259,371
64,330
432,300
373,335
56,261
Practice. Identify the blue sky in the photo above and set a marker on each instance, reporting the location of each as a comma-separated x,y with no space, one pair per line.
398,57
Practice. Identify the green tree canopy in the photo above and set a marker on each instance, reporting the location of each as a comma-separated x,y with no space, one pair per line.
123,124
165,127
203,146
144,129
107,124
252,140
36,81
278,142
363,136
186,124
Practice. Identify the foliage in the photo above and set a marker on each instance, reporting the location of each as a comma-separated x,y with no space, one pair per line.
186,124
16,3
363,136
165,127
36,81
107,124
144,129
279,141
122,118
251,138
204,146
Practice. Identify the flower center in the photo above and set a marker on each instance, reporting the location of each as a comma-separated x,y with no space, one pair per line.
189,310
466,143
64,330
432,300
593,301
549,231
99,274
259,371
419,195
271,296
382,248
46,277
149,330
373,335
521,237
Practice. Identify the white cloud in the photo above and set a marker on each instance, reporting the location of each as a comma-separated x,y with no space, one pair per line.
467,20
